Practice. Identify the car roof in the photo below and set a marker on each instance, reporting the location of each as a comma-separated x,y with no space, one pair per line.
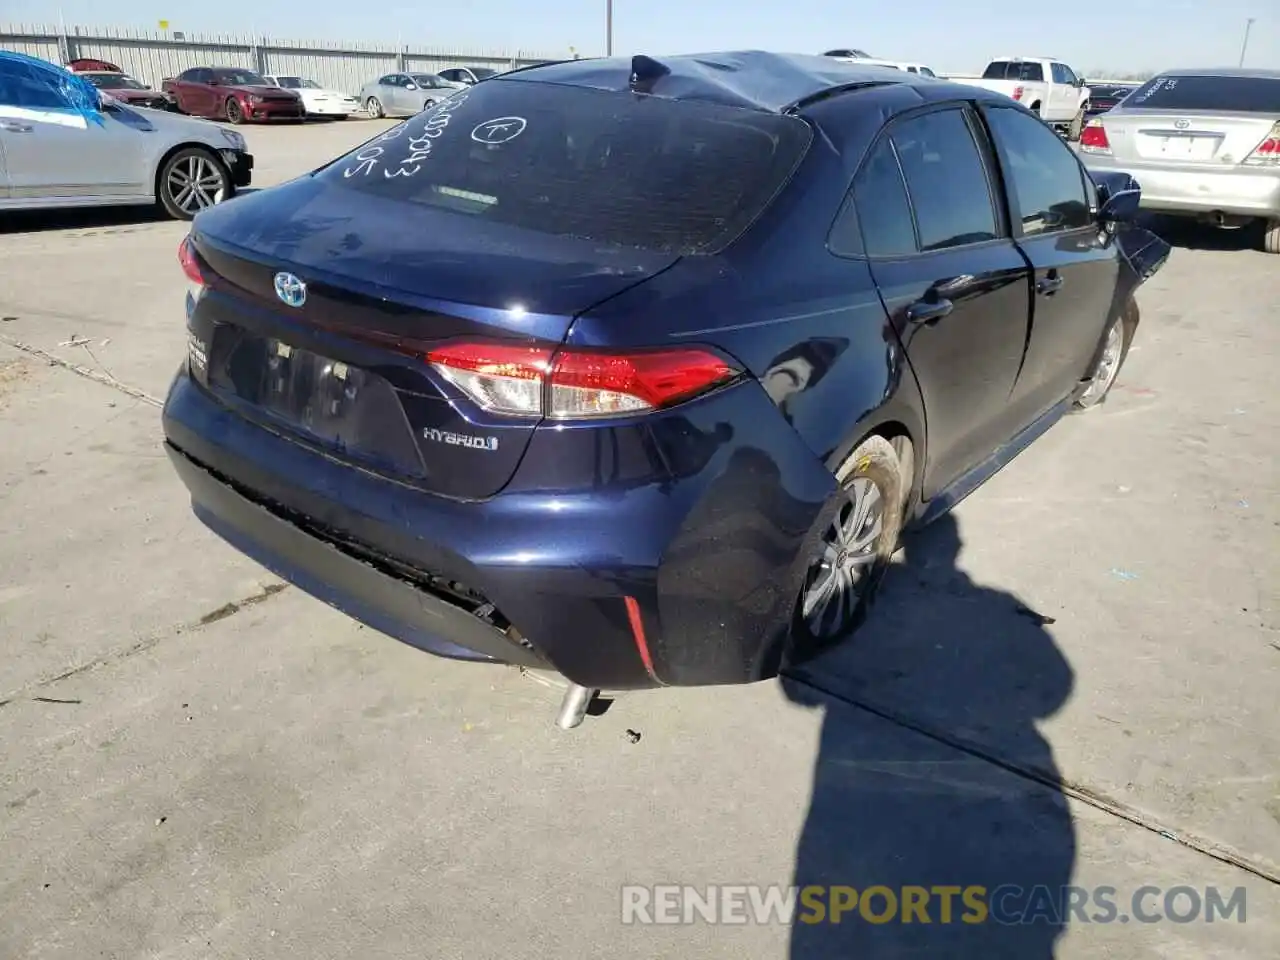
753,79
1240,72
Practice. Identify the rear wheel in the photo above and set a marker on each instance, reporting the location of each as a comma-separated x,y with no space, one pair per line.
192,180
1271,238
853,551
234,112
373,107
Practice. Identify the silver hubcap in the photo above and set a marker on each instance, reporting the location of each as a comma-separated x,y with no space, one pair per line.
1108,365
195,183
835,581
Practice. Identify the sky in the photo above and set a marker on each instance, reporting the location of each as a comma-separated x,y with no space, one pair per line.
949,35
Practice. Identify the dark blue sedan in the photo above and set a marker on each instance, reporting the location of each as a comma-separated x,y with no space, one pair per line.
636,369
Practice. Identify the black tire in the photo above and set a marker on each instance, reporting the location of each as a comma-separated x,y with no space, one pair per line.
235,115
1271,236
1035,108
373,107
1123,326
1077,127
428,104
180,169
874,460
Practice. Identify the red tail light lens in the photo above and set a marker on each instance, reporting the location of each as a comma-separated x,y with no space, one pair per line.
1018,92
187,259
1093,138
577,384
1268,151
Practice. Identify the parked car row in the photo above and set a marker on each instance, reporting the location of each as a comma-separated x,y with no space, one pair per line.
239,95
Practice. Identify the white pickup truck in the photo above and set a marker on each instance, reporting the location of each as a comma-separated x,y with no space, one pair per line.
1047,86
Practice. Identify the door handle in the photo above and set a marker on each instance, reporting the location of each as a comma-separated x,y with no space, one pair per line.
15,126
1049,285
929,311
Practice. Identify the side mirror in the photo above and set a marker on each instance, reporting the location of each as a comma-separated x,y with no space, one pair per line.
1121,198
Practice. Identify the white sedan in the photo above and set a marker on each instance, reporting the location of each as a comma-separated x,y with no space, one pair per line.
316,100
64,143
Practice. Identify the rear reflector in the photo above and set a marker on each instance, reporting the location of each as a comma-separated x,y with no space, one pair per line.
1093,138
1267,153
528,381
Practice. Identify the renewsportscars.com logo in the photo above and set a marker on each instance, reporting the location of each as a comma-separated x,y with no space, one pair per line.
938,904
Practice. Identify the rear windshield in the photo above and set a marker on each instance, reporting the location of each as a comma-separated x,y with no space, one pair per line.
1246,94
1013,70
620,169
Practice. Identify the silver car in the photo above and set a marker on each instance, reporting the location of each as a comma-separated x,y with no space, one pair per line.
404,94
65,144
1202,143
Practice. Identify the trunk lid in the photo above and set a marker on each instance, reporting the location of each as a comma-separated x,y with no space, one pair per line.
384,280
1194,138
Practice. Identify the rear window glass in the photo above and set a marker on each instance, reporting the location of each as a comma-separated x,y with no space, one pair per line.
1247,94
1013,70
621,169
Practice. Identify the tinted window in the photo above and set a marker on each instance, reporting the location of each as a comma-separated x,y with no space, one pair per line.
113,81
1059,75
946,180
483,73
1068,75
927,72
1248,94
386,81
1044,174
428,81
879,203
631,171
1013,70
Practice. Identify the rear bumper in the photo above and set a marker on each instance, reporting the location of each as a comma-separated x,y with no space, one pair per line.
710,559
1180,190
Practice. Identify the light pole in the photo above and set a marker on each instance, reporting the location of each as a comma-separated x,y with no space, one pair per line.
608,28
1243,47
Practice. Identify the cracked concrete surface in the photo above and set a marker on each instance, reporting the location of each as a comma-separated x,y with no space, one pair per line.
195,762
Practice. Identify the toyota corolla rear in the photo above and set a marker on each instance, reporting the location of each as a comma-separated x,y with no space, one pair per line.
386,401
1204,143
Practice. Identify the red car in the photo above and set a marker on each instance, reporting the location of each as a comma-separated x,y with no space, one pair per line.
126,89
233,94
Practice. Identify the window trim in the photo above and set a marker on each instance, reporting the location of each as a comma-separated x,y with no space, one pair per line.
1001,212
1006,172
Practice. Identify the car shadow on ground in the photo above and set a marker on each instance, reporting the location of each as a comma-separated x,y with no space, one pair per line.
1191,235
896,808
89,218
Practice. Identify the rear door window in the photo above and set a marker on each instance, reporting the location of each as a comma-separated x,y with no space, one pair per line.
876,218
670,176
1043,174
1245,94
946,179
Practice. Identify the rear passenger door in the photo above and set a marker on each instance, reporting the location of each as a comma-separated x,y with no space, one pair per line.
951,278
1076,266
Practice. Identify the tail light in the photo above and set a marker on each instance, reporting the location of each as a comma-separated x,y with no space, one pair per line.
1267,153
527,381
1093,138
190,264
1018,92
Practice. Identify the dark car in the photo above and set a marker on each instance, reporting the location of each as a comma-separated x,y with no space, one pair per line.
1104,96
603,367
233,94
127,90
